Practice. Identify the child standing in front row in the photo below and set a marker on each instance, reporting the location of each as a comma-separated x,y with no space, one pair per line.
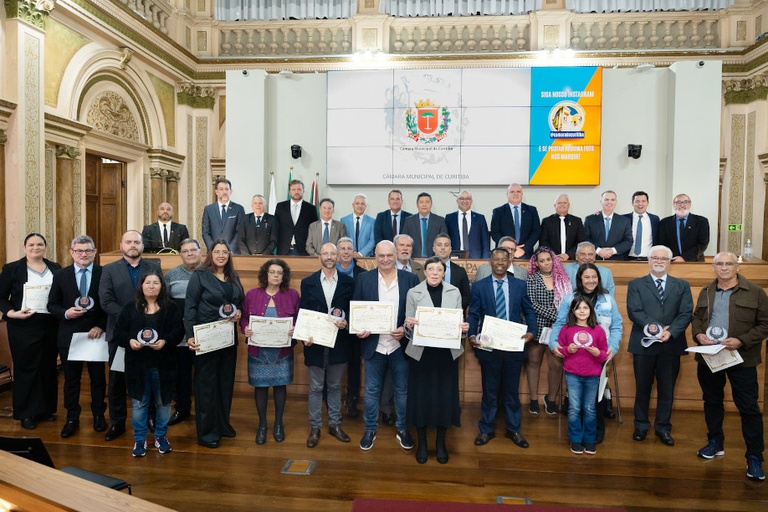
585,348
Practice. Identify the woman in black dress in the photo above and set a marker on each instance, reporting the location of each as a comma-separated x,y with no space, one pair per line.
31,335
433,373
213,289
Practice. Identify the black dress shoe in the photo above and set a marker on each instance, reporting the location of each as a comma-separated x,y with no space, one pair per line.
114,432
209,444
69,429
314,438
517,438
338,433
639,435
609,412
151,424
261,435
666,438
483,438
177,417
28,423
599,436
279,433
352,411
388,419
99,423
421,453
442,453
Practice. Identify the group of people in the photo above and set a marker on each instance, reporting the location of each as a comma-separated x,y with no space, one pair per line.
569,312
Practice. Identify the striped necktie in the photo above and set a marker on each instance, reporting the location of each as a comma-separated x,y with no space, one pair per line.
501,302
660,288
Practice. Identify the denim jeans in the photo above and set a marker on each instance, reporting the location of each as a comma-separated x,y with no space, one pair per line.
140,408
582,396
375,369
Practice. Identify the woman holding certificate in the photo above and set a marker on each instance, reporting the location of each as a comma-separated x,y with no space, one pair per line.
149,329
433,373
24,287
547,283
270,366
214,297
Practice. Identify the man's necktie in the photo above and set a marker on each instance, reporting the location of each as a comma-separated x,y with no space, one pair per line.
660,288
326,234
607,229
680,228
562,235
357,234
223,212
258,221
501,302
423,238
394,226
639,236
464,233
516,218
296,213
165,234
83,282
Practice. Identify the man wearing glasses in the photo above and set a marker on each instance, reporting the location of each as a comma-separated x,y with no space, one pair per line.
687,234
732,312
659,306
468,229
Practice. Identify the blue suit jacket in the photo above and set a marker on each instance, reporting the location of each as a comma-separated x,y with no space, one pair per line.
366,233
483,302
214,228
502,224
620,236
367,288
479,240
382,228
654,227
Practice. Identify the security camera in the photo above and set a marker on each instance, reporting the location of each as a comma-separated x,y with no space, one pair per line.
634,150
247,73
700,64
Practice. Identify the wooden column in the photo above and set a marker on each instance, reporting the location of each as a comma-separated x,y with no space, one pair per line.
157,184
67,157
172,190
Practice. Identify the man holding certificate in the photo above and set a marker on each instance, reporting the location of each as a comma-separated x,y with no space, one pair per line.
733,312
386,287
500,296
327,291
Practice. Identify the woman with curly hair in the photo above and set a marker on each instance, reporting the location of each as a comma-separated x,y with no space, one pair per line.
547,283
271,366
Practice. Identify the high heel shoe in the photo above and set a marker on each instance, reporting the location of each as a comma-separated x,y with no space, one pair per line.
279,433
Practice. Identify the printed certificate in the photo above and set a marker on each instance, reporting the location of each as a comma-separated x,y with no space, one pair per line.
438,327
36,297
504,335
214,336
320,326
373,316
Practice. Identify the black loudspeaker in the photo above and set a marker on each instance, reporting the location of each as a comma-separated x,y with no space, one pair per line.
296,151
634,150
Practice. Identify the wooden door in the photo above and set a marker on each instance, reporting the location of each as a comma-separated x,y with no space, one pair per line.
105,202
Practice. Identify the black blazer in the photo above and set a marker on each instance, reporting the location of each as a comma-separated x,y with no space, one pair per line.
694,238
620,236
503,224
65,290
153,237
257,240
12,281
644,307
382,227
550,234
286,229
460,280
313,298
205,295
412,227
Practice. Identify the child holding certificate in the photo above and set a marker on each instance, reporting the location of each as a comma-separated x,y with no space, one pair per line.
585,348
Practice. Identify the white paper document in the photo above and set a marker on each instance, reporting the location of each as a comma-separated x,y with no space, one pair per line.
214,336
269,331
373,316
83,348
705,349
320,326
118,363
36,297
438,327
504,335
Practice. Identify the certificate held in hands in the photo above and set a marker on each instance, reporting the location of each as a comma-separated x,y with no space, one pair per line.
214,336
320,326
373,316
504,335
438,327
270,332
36,297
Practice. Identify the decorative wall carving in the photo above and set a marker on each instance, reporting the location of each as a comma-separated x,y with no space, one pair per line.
192,220
749,179
34,12
32,138
201,166
109,113
746,90
3,137
736,181
196,96
49,182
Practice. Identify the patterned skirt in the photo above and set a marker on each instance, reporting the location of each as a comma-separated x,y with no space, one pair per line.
269,369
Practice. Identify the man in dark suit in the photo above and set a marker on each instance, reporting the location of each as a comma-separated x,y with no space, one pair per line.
562,231
665,302
117,288
518,220
468,230
163,234
257,233
221,219
293,218
382,351
492,295
454,274
348,266
685,233
610,234
323,291
423,227
645,227
388,223
404,251
70,284
326,230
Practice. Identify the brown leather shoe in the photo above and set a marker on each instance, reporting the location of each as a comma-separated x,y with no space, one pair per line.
335,431
314,438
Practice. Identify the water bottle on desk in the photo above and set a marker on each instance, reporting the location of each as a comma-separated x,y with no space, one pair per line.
748,250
